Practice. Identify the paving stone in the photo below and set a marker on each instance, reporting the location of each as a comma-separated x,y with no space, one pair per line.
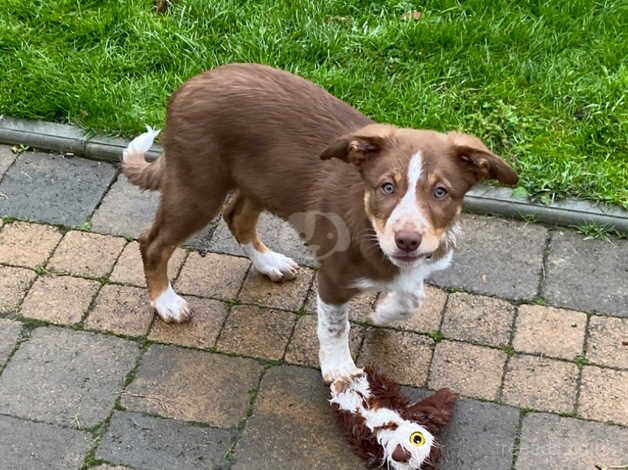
402,355
289,295
14,282
9,334
480,436
471,370
149,442
201,331
86,254
130,270
537,327
479,319
121,309
59,299
303,348
551,442
497,257
25,244
540,383
587,275
7,157
125,210
274,232
256,331
53,188
212,275
66,377
292,426
192,385
604,395
27,445
608,341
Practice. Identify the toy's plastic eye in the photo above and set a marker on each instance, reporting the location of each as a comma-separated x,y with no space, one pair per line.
417,439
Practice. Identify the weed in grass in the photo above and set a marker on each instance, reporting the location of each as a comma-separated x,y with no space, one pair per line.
597,231
437,336
19,149
85,226
509,350
543,83
580,360
41,270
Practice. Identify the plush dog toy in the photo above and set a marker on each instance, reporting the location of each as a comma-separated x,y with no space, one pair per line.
384,428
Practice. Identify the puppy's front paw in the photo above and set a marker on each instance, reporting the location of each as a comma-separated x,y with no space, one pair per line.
171,308
333,369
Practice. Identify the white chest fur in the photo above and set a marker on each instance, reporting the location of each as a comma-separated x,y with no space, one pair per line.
408,281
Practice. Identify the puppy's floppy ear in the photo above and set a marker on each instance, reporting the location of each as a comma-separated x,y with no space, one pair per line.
359,146
483,163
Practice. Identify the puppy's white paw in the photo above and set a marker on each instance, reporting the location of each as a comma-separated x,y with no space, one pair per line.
335,366
171,307
392,307
274,265
346,371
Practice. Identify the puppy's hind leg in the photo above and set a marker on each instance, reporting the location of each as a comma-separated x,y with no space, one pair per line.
182,213
241,217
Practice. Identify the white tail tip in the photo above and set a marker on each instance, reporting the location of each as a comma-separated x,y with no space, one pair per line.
142,143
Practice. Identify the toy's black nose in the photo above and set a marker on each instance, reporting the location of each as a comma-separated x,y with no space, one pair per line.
400,454
407,240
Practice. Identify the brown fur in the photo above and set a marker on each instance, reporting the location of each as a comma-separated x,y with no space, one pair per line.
260,131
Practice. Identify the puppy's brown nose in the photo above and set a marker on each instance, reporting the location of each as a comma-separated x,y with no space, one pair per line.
407,240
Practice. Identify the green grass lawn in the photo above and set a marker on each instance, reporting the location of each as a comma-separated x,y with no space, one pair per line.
543,82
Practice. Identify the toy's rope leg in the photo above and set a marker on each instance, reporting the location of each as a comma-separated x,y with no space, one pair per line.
333,336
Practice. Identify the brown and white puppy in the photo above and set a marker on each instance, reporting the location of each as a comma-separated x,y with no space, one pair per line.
377,204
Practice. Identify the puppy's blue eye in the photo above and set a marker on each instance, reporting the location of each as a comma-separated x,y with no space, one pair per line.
388,188
440,192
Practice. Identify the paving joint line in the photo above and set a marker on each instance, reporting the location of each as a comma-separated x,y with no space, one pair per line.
99,430
540,290
581,365
297,316
516,445
509,354
230,455
3,175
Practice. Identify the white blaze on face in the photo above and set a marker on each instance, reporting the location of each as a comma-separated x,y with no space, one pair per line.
407,214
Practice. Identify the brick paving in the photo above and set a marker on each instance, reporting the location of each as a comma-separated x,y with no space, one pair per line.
530,325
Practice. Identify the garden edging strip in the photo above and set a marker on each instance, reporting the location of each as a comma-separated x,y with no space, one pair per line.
481,200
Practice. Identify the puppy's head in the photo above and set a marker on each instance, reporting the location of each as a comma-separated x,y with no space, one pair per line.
415,181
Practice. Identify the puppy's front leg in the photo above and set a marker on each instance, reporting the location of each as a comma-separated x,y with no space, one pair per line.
395,306
333,336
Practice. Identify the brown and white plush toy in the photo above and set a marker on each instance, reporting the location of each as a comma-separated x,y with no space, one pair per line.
384,427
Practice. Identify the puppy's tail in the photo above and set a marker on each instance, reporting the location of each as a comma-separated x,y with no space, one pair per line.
140,172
